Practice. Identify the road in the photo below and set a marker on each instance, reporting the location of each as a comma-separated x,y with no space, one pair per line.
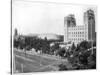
35,63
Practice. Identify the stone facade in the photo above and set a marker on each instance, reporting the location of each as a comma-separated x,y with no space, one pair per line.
76,34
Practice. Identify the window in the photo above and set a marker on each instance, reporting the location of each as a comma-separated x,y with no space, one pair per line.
76,32
82,35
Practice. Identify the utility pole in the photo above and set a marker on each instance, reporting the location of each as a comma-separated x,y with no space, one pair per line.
22,68
40,61
14,65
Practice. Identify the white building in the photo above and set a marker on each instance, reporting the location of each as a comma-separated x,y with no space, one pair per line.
76,33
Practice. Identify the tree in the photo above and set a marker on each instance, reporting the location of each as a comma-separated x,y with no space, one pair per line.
61,52
56,46
16,32
92,60
16,43
85,45
73,46
45,38
82,57
45,47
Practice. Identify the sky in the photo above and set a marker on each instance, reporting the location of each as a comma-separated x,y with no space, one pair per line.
31,17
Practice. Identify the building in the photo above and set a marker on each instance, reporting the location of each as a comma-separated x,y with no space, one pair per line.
76,34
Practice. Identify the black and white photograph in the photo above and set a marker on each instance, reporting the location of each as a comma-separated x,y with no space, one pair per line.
52,37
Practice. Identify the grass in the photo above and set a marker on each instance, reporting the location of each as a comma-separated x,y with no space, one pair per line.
34,65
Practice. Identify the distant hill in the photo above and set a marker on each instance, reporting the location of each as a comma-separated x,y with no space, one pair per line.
49,36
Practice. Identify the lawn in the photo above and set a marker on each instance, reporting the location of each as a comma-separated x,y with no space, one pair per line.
33,63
